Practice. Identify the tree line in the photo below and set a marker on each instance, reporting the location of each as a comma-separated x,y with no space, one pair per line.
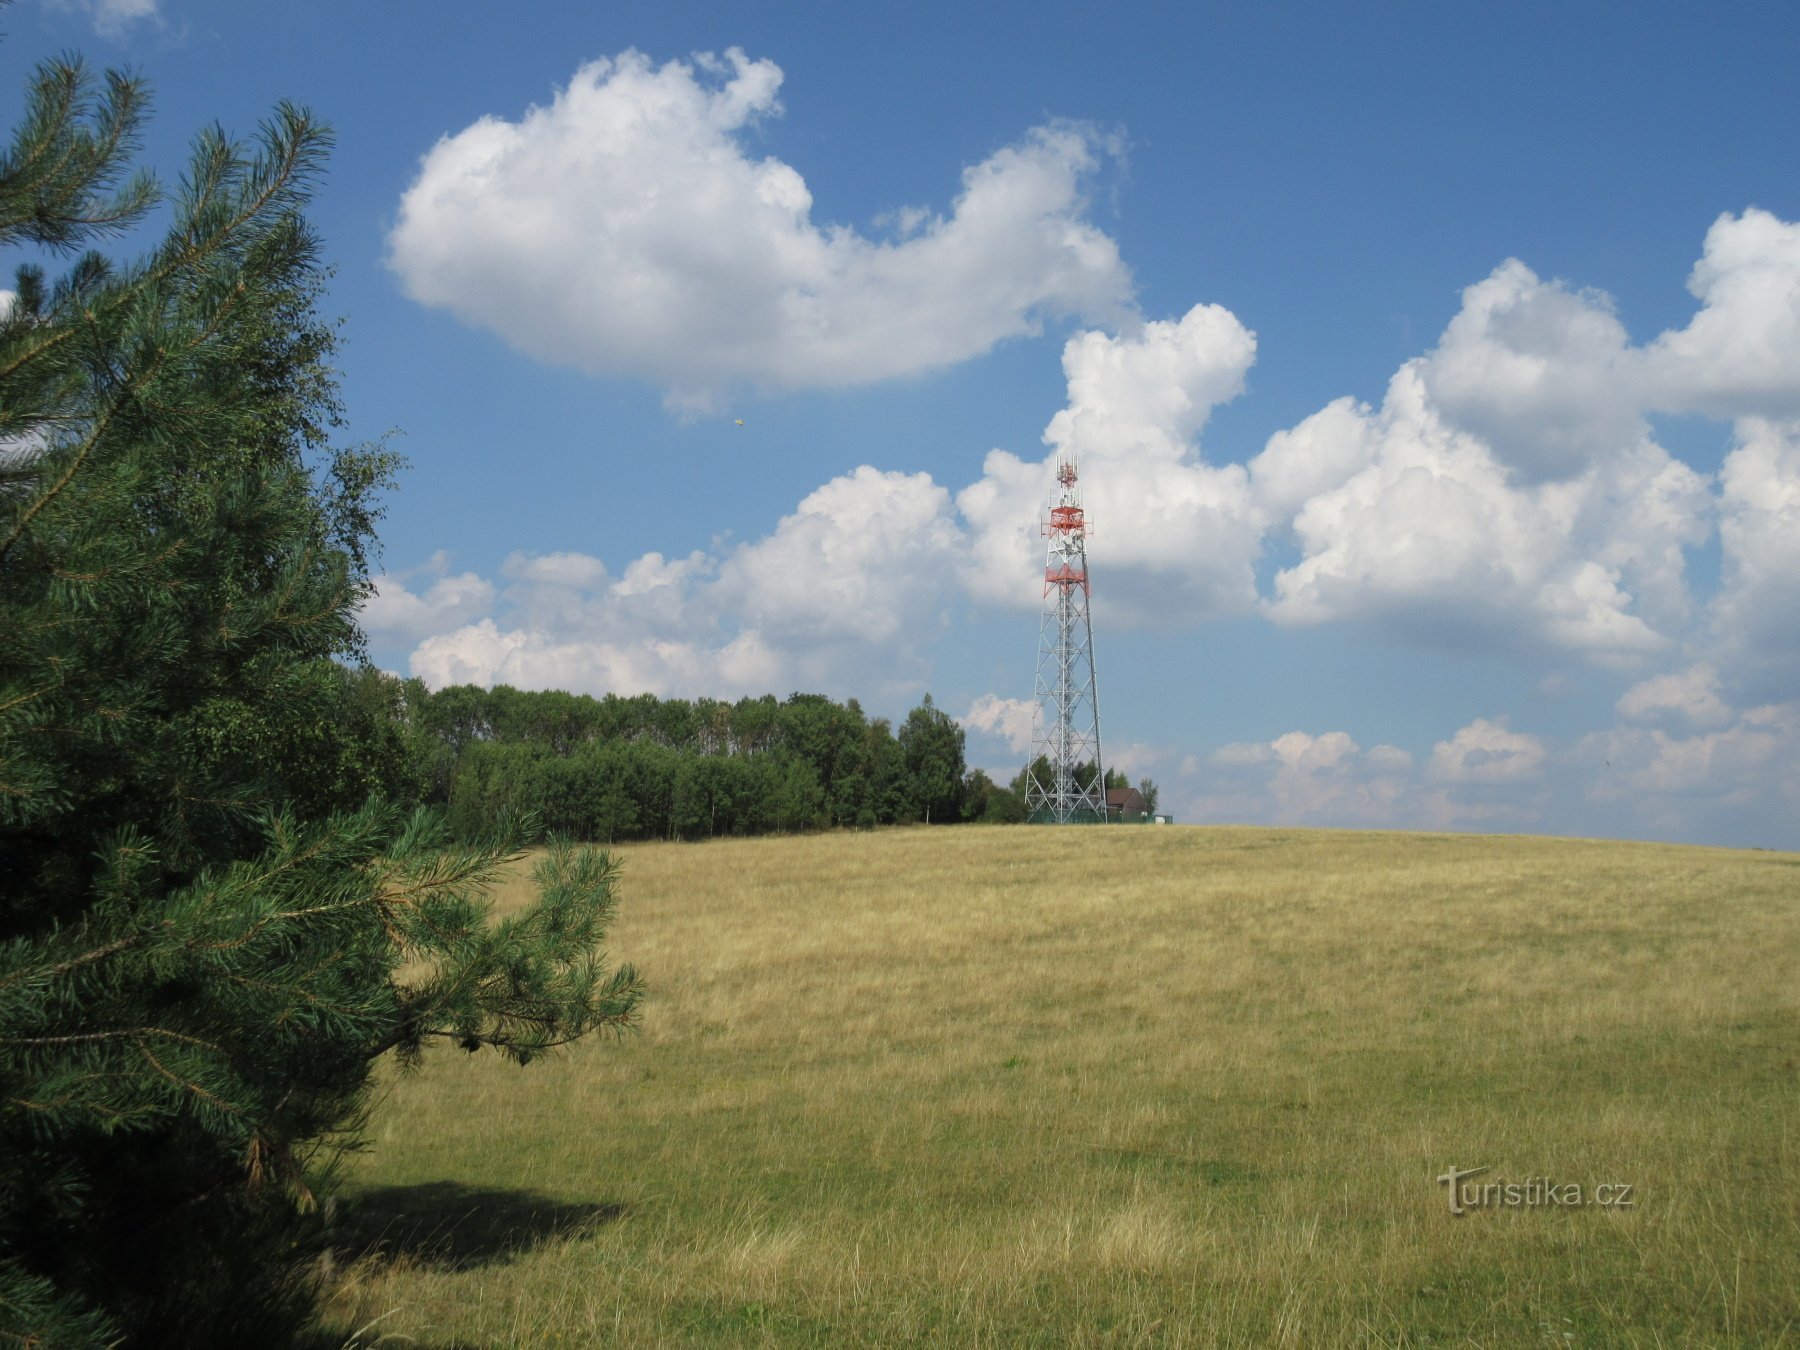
617,768
621,768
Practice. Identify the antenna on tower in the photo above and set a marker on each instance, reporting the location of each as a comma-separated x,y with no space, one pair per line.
1066,728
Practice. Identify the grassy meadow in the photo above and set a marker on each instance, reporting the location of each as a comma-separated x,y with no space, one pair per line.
1130,1086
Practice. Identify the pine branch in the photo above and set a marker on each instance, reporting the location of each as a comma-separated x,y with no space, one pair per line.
124,1033
75,963
67,157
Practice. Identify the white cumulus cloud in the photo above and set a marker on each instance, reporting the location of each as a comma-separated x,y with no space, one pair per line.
1739,781
838,597
1298,778
864,558
1740,355
628,228
1008,719
1686,697
394,612
1543,375
1487,752
1736,780
1756,616
1175,538
1434,538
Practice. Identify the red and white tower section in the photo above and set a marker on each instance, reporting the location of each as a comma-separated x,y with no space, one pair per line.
1066,728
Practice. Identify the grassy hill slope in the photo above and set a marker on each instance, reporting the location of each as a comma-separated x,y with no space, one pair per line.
1130,1086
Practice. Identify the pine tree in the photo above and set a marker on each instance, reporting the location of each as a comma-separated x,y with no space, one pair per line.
212,924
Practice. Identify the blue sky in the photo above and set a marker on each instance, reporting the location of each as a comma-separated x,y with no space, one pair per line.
1434,370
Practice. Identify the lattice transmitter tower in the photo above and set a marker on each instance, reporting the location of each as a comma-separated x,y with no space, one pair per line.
1066,730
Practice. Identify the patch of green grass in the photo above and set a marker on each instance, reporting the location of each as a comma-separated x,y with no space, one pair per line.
1160,1086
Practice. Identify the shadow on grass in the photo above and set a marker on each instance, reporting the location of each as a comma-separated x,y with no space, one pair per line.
450,1226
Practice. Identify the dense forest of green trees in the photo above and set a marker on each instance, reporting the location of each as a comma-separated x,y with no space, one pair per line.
608,769
612,768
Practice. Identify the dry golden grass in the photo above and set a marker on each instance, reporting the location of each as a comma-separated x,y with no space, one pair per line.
1173,1086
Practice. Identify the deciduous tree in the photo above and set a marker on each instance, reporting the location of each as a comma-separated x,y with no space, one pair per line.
932,744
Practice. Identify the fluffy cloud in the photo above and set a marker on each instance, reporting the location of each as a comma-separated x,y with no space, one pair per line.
559,571
1434,539
394,613
1690,697
1176,538
1507,494
484,653
626,229
1483,775
565,622
1323,452
1736,782
1487,752
1740,355
1542,375
1486,775
1549,379
1754,615
1136,760
1296,779
1009,720
1328,778
864,559
837,596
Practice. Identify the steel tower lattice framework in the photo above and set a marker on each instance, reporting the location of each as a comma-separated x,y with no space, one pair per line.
1066,728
